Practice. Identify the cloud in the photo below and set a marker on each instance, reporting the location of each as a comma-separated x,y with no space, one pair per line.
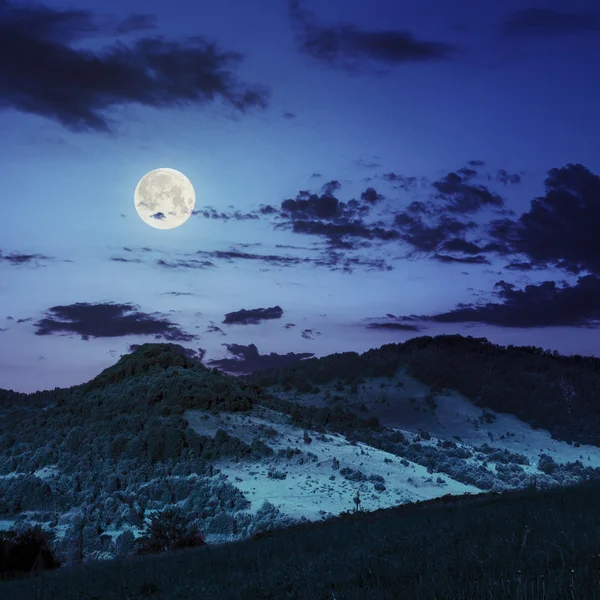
541,305
504,177
107,319
561,227
549,22
253,316
459,245
44,73
289,325
308,334
396,326
185,264
325,215
267,210
177,294
125,260
212,328
366,164
464,197
428,237
474,260
371,196
288,115
247,359
271,259
351,48
519,266
209,212
21,259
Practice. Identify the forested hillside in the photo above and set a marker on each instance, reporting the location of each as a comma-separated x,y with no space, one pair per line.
542,388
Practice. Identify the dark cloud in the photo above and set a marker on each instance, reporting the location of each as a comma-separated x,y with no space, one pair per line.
545,21
371,196
349,47
288,115
209,212
159,216
267,210
316,176
272,259
22,259
212,328
331,186
403,182
504,177
177,294
473,260
561,227
24,320
125,260
345,228
337,261
542,305
185,264
107,320
306,205
289,325
308,334
340,223
519,266
427,238
395,326
463,197
253,316
247,359
44,73
459,245
467,173
476,163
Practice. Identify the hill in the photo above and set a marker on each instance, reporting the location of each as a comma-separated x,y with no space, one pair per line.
243,456
544,389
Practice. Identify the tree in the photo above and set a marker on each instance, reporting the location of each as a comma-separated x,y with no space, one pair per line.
169,530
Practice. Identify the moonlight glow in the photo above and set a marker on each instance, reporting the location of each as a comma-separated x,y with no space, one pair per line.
164,198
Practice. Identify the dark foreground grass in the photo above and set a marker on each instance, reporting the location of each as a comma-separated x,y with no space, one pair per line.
518,545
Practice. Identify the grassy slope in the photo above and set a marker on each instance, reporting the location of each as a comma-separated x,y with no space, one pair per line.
520,544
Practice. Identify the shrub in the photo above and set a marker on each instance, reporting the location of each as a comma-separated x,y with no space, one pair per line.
26,552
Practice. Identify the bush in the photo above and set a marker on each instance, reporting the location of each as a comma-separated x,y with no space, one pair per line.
26,552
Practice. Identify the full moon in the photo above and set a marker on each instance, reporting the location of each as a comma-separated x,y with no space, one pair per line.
164,198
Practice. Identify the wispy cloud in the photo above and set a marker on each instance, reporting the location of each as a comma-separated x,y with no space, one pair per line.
349,47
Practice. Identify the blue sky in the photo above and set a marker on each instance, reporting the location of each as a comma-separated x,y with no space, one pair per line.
356,165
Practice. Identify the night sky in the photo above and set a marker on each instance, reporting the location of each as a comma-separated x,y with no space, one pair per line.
366,171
